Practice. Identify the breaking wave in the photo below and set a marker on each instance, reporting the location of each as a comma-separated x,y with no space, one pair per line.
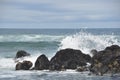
86,41
29,38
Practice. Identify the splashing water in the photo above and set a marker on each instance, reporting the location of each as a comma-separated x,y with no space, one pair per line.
86,42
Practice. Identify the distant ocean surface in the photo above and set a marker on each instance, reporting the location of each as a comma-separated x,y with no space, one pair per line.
48,42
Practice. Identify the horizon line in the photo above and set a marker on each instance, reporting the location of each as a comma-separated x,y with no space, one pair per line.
65,28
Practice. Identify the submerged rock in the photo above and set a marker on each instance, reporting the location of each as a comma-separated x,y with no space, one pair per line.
41,63
21,53
25,65
69,58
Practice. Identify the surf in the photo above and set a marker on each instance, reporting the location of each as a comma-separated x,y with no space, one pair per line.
85,41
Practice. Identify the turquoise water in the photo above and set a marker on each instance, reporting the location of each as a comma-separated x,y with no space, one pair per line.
48,41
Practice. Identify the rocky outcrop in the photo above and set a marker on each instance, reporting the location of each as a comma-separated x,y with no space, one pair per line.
102,62
21,53
25,65
41,63
68,59
106,61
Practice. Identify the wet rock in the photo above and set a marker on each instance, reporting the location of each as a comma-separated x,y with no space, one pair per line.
41,63
18,66
63,68
106,61
22,53
25,65
93,52
69,58
112,47
99,69
72,64
82,68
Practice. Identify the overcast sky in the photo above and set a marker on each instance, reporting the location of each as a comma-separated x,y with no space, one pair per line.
59,13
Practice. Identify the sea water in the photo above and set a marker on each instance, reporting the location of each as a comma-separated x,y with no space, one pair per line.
48,42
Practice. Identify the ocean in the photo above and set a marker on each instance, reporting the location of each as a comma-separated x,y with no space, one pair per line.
48,42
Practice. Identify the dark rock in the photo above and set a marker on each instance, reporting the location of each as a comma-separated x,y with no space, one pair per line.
99,69
81,68
112,48
18,66
72,64
69,58
25,65
22,53
93,52
106,61
41,63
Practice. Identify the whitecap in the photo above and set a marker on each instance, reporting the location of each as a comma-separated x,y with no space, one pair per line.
86,41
